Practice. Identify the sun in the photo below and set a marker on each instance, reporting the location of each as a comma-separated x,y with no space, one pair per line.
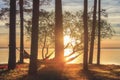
66,39
68,50
70,57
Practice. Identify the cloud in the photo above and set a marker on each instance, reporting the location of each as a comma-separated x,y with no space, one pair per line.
111,4
67,2
112,7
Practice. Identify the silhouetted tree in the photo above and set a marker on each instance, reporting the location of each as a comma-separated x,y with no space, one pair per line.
85,22
59,44
93,33
99,31
72,24
28,9
12,36
34,39
21,32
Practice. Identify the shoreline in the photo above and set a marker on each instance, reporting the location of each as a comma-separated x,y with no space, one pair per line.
69,72
52,48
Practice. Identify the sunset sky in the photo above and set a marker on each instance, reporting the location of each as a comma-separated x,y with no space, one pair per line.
112,7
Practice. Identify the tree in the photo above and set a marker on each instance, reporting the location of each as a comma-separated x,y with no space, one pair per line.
34,39
85,22
72,24
59,43
12,36
21,32
93,33
99,31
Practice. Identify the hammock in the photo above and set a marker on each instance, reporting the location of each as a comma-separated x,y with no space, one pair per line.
3,66
26,55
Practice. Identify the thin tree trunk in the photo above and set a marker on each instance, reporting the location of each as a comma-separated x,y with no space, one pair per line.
34,39
12,36
93,33
44,45
59,43
21,32
99,31
85,21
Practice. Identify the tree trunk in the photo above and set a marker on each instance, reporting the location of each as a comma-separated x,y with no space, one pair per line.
85,21
34,39
99,32
93,33
59,43
12,36
21,32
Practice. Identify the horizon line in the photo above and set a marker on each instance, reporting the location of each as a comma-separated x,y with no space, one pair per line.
50,48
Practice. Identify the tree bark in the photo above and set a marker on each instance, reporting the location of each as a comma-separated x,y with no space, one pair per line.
99,32
12,36
85,21
93,33
59,43
34,39
21,32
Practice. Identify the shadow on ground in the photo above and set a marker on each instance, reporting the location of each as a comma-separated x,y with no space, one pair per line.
47,73
67,72
101,72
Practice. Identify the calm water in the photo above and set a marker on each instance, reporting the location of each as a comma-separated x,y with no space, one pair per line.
108,56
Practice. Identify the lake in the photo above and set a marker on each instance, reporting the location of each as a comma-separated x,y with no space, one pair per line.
108,56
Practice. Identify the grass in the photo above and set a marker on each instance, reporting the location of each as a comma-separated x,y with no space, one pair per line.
66,72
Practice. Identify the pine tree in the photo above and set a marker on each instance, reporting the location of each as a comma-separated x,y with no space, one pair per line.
85,21
99,31
34,39
21,32
59,43
12,36
93,33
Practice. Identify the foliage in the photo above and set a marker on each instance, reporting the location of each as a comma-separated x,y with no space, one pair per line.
46,28
27,7
73,27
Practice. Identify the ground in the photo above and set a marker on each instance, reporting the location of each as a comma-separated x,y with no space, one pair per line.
66,72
